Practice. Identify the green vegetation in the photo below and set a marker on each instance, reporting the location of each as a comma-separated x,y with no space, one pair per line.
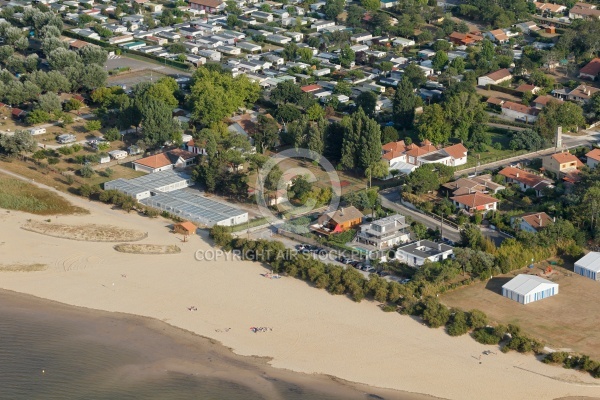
22,196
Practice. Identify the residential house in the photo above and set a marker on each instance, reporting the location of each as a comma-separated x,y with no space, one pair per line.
418,253
542,101
562,164
383,233
582,93
400,41
209,6
172,159
593,158
526,180
519,112
404,158
497,35
591,69
532,222
387,3
549,7
464,39
196,148
320,25
494,78
526,87
584,11
481,183
338,221
472,202
527,27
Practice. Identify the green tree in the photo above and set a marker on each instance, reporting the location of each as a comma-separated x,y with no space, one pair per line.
344,88
568,115
300,188
347,56
389,134
267,133
367,101
288,113
315,112
50,103
333,8
432,125
37,116
216,95
527,98
93,55
17,144
371,5
423,179
87,171
458,324
361,144
404,104
112,135
158,123
440,60
415,75
72,105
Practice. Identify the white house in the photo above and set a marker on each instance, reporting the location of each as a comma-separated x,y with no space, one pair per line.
494,78
417,253
383,233
526,289
176,158
593,158
400,41
589,266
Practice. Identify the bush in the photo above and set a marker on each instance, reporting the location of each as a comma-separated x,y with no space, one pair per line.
65,150
108,172
151,212
558,357
458,324
72,105
53,160
87,190
93,125
221,235
112,134
435,313
486,336
76,147
477,319
86,171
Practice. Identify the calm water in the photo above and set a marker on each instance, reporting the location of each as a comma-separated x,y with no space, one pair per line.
49,353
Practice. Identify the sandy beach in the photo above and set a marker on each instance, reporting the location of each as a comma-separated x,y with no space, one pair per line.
309,331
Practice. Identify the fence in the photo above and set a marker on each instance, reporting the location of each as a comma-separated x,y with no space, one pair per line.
506,90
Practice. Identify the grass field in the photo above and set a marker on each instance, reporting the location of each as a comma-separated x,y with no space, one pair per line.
22,196
568,320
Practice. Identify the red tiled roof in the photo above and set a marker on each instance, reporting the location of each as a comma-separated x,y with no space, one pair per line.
510,105
475,199
538,220
592,68
188,226
154,161
524,177
525,88
207,3
310,88
456,151
495,101
594,154
543,100
567,157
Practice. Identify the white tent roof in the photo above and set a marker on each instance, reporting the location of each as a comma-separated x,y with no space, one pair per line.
591,261
403,167
525,284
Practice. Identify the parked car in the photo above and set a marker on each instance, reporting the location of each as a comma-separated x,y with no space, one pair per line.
299,247
368,268
383,273
358,265
405,281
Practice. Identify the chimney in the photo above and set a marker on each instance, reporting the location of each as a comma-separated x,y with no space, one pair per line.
540,219
439,247
517,174
341,211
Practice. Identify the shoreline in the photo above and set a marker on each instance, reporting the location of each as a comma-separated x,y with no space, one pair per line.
314,332
186,348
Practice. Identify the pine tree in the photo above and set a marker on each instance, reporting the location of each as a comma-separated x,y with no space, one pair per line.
405,102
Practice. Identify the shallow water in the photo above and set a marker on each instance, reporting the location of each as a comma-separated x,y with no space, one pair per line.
52,351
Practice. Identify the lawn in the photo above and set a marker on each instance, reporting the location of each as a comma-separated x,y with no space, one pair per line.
567,320
22,196
491,154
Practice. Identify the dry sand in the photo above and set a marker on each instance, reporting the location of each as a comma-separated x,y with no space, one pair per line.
313,331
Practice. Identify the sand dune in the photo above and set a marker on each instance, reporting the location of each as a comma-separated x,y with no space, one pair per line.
312,331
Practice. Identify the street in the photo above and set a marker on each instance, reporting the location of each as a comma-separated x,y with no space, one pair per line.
390,199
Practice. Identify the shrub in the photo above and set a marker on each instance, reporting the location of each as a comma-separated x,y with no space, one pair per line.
221,235
76,147
112,134
108,172
477,319
53,160
87,190
458,324
151,212
69,179
435,313
65,150
486,336
93,125
86,171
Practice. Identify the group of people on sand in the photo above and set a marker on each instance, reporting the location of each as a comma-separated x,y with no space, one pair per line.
192,308
260,329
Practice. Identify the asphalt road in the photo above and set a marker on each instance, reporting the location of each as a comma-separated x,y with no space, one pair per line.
569,142
391,199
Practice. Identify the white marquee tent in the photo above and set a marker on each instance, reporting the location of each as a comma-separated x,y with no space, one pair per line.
589,266
529,288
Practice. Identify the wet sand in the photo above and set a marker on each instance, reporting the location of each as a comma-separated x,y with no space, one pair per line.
143,350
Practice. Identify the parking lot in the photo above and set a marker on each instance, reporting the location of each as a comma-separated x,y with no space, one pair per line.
136,64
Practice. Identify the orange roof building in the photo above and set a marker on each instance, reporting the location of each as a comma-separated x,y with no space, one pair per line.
591,70
475,202
526,180
185,228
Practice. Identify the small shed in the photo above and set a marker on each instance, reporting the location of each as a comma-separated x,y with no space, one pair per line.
185,228
526,289
589,266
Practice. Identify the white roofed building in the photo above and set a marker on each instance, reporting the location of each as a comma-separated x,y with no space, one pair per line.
526,289
589,266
